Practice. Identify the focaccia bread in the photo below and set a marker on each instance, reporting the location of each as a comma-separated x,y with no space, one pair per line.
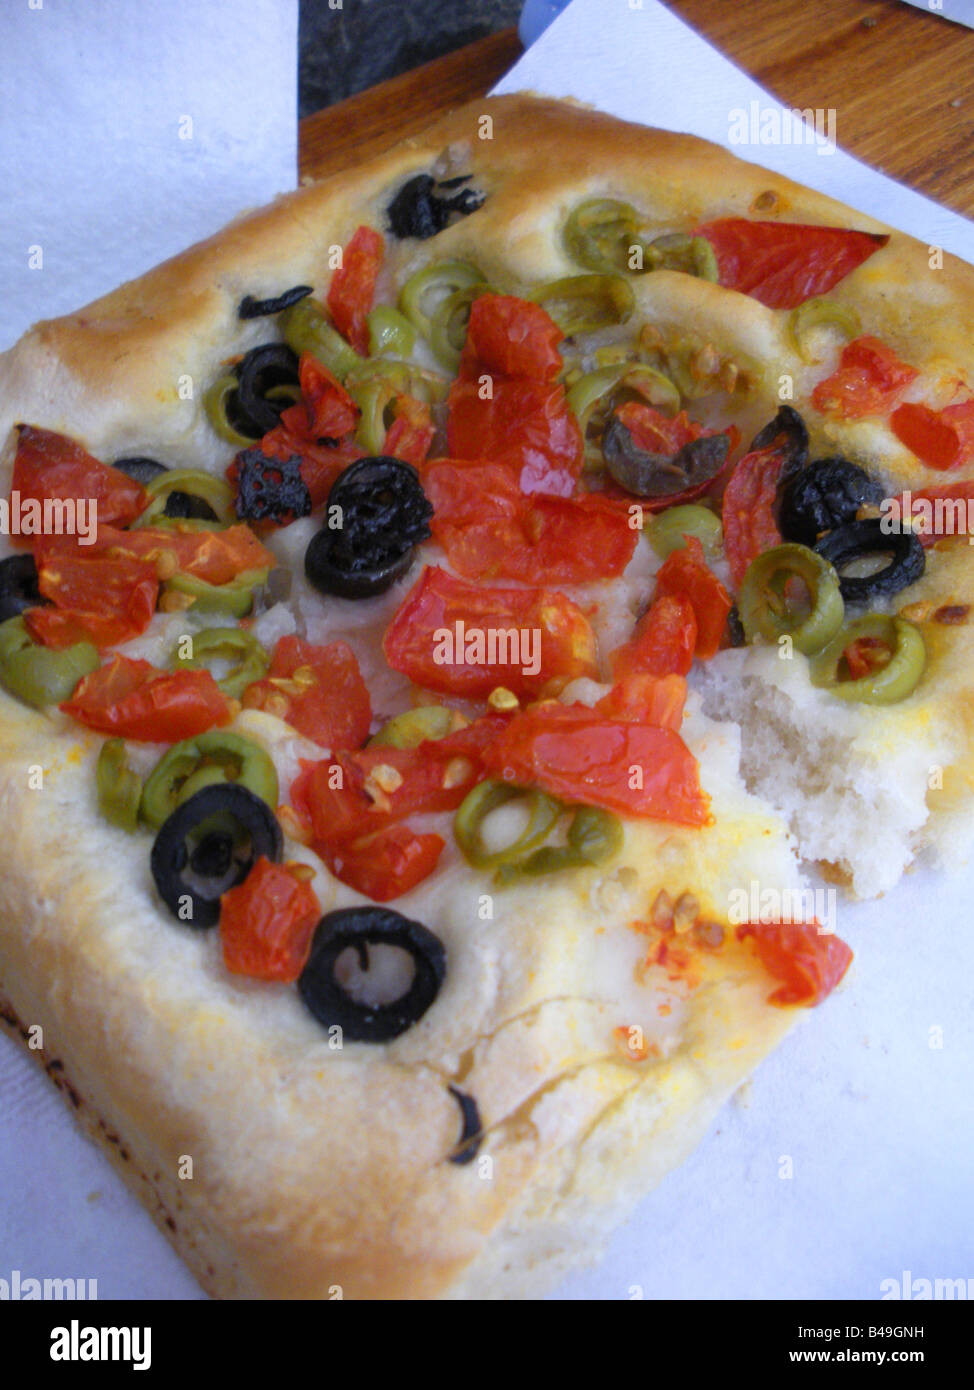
489,1146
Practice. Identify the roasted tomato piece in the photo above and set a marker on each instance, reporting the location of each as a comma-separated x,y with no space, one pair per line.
663,643
685,573
784,263
510,337
96,599
525,425
411,433
217,557
491,530
326,410
588,759
644,699
869,379
50,466
939,438
317,690
466,639
748,509
353,286
809,963
386,864
266,922
133,699
935,512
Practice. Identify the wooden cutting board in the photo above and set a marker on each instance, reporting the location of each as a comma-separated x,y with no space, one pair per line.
901,81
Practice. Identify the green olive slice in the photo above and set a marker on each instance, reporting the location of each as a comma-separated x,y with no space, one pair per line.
816,313
390,331
39,676
306,329
216,403
249,659
668,530
216,492
543,813
119,789
235,598
601,234
770,608
209,758
887,683
594,836
423,292
584,303
415,726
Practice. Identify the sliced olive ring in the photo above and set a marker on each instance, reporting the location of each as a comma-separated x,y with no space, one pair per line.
384,515
415,726
652,475
487,796
594,836
219,402
822,495
360,928
208,845
306,329
18,586
601,233
584,303
205,497
249,659
693,255
235,598
140,468
886,684
251,308
208,759
423,292
594,396
471,1128
390,331
270,489
119,788
449,322
668,530
261,370
859,538
818,313
39,676
767,610
420,210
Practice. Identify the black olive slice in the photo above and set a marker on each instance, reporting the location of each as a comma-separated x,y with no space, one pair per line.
263,368
471,1129
824,494
419,210
18,586
661,475
788,434
360,927
251,308
269,490
736,636
384,515
196,857
139,468
858,538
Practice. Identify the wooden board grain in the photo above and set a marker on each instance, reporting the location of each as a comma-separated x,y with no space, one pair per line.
900,80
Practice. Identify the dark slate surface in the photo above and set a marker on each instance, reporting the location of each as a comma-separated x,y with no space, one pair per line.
343,51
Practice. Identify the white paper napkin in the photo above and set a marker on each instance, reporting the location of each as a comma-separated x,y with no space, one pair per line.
870,1098
129,131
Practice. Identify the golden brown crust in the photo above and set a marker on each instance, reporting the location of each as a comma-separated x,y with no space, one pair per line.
314,1169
